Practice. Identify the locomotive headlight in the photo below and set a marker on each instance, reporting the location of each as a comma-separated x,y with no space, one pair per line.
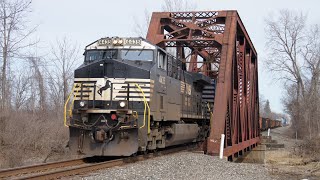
82,103
122,104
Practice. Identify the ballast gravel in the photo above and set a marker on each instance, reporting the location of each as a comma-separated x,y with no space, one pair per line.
184,166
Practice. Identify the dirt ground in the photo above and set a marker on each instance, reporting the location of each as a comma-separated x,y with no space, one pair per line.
288,162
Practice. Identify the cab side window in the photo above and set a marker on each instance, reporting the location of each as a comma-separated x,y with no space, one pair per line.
162,60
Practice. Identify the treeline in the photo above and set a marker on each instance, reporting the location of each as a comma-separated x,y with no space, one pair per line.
33,87
294,58
266,112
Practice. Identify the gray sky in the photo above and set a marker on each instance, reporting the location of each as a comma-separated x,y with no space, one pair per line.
86,21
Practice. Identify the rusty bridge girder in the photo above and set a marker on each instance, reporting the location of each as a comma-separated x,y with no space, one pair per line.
229,57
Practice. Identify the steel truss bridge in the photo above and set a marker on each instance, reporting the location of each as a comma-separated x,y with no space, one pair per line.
216,43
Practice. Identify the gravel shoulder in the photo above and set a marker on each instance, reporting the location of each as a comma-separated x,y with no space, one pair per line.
184,165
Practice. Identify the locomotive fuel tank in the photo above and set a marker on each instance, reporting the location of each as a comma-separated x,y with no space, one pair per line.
182,133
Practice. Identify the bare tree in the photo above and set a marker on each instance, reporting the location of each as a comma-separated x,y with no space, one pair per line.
65,56
21,90
13,35
262,102
178,5
141,28
295,58
267,109
286,39
38,81
25,93
312,64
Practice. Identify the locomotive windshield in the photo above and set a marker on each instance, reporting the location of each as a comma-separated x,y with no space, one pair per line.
140,54
94,55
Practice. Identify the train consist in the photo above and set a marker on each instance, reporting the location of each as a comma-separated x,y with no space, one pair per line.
132,96
266,123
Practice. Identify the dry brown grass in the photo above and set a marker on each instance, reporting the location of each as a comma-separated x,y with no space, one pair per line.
32,138
311,149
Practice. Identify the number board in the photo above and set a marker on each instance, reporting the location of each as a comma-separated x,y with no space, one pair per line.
119,42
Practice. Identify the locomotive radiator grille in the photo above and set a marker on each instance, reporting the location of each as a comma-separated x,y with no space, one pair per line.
84,90
112,89
208,95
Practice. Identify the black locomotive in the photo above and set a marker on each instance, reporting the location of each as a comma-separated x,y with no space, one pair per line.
131,96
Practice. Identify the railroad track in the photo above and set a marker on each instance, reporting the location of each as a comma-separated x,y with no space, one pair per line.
77,166
17,173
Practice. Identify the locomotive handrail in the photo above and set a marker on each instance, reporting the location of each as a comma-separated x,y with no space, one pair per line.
211,114
145,108
135,115
65,106
70,110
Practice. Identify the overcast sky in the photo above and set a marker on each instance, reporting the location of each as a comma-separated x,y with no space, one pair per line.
85,21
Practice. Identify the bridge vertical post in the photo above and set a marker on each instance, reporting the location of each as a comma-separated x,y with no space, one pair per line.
224,84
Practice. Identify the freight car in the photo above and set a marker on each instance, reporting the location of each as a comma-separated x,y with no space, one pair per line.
131,96
266,123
